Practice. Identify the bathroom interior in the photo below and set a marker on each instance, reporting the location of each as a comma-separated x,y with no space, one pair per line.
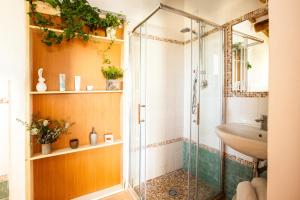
187,118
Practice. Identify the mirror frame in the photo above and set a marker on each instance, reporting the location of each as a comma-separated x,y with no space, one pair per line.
228,53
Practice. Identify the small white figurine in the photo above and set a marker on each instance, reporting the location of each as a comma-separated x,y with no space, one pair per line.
41,86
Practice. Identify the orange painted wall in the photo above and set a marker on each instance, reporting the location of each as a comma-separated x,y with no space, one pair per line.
284,101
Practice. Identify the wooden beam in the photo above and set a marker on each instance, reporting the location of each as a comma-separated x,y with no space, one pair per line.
263,1
252,20
260,26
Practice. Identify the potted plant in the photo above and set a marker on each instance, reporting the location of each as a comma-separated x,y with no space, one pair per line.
47,131
112,73
110,24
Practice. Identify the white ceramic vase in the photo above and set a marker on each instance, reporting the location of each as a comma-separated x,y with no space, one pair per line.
41,86
111,32
113,84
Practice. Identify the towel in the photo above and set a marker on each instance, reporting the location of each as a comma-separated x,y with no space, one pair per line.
260,185
245,191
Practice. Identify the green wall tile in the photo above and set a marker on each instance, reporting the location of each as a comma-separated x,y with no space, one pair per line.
3,189
235,173
209,169
208,164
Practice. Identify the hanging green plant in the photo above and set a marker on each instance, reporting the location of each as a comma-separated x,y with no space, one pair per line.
249,66
78,20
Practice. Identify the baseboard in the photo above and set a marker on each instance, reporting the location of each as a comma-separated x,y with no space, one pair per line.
101,194
132,193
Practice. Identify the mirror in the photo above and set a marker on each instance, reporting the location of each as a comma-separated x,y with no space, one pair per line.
250,55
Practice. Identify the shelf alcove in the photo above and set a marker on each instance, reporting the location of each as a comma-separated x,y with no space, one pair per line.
70,173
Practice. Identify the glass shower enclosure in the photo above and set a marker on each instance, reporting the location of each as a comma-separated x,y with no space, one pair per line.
177,82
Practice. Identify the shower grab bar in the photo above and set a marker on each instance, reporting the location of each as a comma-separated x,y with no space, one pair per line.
139,113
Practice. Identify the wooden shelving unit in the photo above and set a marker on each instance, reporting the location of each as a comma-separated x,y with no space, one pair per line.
93,37
77,92
69,150
87,169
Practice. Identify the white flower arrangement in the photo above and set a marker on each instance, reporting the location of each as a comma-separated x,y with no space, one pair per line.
47,131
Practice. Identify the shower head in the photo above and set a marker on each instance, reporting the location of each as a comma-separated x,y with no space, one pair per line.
186,30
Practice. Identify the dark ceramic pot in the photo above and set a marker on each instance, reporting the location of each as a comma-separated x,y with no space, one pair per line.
74,143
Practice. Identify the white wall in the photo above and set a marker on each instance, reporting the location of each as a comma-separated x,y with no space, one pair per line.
210,98
12,67
164,95
284,129
4,128
245,110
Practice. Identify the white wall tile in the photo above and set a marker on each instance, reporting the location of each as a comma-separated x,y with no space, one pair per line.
245,110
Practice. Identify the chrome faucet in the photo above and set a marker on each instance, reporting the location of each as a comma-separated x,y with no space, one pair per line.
263,122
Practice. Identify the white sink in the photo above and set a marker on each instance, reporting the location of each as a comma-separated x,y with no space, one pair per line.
248,140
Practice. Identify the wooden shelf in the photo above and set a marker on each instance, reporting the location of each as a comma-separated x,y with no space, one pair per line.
79,149
94,37
76,92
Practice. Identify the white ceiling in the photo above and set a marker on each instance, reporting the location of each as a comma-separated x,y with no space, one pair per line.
218,11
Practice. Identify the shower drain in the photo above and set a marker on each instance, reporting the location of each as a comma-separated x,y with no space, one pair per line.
173,192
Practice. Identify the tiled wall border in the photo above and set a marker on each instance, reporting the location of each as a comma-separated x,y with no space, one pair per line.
166,142
3,178
239,160
228,54
157,38
203,146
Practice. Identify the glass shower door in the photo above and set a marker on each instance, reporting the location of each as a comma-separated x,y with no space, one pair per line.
207,113
138,122
177,94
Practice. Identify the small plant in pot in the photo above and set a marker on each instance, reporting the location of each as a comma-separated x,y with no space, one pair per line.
112,73
110,24
47,131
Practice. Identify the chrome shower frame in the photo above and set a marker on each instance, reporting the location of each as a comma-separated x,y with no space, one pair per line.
179,12
216,27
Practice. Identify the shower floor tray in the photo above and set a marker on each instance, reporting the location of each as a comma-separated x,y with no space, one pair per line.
174,185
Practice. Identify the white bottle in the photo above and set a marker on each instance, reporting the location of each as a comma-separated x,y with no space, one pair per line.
62,82
77,83
93,137
41,86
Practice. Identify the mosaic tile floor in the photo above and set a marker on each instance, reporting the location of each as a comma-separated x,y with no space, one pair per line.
174,186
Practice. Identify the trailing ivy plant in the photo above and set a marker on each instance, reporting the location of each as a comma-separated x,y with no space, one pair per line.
76,17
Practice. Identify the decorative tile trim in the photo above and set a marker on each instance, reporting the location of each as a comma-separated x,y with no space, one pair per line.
3,178
239,160
228,54
203,146
154,145
227,155
157,38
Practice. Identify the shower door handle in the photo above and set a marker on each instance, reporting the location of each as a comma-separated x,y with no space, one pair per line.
198,114
139,113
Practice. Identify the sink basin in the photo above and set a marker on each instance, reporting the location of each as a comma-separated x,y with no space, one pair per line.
248,140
